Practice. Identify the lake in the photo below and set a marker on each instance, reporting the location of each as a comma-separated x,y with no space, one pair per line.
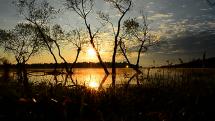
93,77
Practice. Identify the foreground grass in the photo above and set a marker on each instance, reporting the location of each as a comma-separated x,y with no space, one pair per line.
193,101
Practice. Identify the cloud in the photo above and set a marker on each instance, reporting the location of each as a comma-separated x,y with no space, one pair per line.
187,38
192,43
204,9
159,16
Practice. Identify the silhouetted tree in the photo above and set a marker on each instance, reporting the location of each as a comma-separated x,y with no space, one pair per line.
83,8
121,6
78,38
23,43
58,35
137,33
39,14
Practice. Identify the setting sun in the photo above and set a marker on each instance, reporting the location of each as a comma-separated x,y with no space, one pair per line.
91,52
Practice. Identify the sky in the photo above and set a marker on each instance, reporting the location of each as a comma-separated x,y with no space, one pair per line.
186,29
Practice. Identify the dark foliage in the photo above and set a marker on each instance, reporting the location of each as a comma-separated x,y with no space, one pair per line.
48,102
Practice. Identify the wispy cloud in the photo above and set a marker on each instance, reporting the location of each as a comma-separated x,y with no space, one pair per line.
159,16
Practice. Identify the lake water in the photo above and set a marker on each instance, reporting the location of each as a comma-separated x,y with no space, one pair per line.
93,77
82,76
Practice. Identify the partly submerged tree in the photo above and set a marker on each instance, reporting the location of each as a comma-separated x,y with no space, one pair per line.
78,38
83,8
57,36
139,35
39,14
122,7
22,42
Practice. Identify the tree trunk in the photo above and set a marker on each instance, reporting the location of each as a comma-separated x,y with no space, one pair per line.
94,47
138,56
46,42
76,58
116,45
114,64
130,65
59,53
27,88
100,59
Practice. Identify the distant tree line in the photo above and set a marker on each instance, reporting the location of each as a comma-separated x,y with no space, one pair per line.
196,63
77,65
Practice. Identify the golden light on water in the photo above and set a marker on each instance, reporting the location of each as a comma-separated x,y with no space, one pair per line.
93,84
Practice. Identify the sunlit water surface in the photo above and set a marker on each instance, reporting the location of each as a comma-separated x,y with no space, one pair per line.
93,77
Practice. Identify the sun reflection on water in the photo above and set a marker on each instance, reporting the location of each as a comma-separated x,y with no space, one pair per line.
93,78
93,84
92,81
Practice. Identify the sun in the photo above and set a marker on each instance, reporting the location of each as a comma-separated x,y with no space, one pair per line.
91,52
